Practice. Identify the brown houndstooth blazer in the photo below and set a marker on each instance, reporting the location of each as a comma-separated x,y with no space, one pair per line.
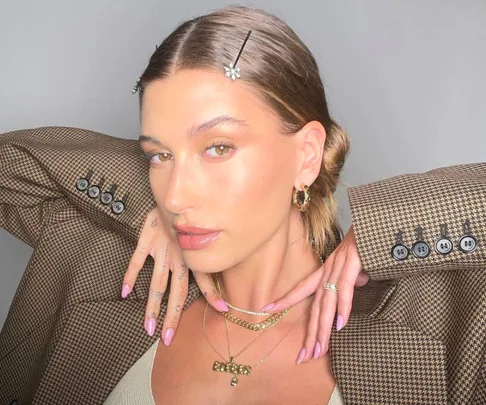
417,330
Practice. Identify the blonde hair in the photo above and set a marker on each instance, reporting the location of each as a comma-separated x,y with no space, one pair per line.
284,73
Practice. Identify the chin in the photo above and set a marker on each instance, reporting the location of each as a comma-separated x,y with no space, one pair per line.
206,262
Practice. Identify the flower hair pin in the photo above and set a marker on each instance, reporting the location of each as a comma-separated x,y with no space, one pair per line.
232,71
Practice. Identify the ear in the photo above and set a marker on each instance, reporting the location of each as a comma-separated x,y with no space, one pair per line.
310,140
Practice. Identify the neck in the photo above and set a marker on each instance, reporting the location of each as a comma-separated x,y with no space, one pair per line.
285,260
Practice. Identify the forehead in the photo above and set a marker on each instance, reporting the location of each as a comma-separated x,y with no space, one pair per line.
189,97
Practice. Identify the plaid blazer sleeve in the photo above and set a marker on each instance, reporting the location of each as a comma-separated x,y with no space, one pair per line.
40,166
421,222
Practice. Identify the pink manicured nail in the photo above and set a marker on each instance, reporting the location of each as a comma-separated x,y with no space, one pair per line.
317,350
125,290
301,356
150,327
168,335
268,307
339,322
222,306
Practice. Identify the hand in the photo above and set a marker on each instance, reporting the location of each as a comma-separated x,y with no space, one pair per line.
155,240
344,269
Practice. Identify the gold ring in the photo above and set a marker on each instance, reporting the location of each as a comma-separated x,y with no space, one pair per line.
330,287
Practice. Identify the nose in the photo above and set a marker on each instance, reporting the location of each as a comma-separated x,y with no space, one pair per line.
180,190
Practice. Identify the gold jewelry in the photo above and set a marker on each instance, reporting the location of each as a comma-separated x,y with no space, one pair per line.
229,366
302,206
330,287
245,311
236,369
272,320
266,323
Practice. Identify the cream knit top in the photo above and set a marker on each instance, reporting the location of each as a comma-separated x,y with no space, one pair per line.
135,387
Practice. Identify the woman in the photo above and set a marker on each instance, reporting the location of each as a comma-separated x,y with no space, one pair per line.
406,341
225,197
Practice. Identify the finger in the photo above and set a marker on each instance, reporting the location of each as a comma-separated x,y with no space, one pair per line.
158,285
313,324
134,266
142,250
349,275
327,311
208,288
301,291
177,297
307,351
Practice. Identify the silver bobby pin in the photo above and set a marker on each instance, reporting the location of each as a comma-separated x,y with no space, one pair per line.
136,87
137,84
232,71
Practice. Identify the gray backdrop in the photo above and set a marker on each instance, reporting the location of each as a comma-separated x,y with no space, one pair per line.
404,78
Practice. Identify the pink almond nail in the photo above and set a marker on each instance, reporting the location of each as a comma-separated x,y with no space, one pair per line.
125,290
268,307
339,322
168,335
222,306
301,355
151,326
317,350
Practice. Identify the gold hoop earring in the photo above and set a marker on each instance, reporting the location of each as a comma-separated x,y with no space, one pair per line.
301,205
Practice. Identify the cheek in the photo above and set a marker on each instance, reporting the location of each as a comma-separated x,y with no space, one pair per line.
251,207
258,196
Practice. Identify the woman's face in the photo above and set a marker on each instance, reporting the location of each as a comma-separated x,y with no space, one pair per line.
218,163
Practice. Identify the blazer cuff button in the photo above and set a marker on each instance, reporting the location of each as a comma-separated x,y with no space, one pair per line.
82,184
117,207
399,252
444,246
420,249
468,244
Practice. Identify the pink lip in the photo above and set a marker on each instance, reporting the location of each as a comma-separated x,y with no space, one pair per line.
193,229
196,242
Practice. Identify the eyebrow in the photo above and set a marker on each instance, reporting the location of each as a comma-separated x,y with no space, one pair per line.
198,129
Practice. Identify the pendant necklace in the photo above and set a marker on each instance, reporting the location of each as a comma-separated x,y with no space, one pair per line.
242,369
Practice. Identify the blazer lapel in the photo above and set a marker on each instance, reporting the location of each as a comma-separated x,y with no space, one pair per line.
380,362
100,342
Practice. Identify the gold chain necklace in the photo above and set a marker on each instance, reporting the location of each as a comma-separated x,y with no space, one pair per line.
236,369
272,320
